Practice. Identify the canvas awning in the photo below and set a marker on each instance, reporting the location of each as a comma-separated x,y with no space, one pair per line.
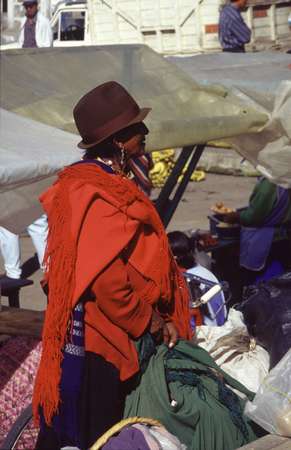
30,155
45,84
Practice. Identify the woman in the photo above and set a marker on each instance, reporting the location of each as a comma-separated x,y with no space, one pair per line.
265,232
110,274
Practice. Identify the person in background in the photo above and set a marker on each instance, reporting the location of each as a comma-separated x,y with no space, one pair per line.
265,232
183,251
10,246
35,29
233,31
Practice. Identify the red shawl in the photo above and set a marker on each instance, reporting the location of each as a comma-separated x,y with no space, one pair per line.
67,203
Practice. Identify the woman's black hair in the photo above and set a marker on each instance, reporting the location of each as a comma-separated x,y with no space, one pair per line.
106,149
182,248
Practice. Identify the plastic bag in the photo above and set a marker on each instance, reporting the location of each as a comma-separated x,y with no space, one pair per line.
271,407
166,440
234,351
156,437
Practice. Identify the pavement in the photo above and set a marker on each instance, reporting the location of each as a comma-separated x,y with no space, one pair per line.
191,213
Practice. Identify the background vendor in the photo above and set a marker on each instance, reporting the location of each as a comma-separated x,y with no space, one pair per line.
265,232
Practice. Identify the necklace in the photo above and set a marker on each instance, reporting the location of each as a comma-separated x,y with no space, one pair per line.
107,162
110,164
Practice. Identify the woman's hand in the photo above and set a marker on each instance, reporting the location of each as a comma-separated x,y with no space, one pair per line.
163,331
156,327
170,334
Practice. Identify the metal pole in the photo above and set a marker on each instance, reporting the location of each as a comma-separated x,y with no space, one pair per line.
10,14
273,22
173,204
250,22
163,199
45,8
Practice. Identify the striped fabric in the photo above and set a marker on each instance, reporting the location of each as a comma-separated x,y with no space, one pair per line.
233,31
66,424
140,167
75,345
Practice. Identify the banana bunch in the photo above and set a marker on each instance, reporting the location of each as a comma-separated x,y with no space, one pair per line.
164,162
197,175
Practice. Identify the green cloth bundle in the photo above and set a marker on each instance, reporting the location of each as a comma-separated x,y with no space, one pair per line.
186,391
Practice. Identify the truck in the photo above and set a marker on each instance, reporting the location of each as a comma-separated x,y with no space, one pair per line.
168,26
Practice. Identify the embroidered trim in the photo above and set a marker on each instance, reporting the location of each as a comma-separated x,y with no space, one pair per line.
79,307
78,333
77,324
74,350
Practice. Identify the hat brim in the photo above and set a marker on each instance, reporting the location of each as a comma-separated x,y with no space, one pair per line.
139,118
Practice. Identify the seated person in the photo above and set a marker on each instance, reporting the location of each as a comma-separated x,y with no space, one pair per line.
183,251
11,251
265,232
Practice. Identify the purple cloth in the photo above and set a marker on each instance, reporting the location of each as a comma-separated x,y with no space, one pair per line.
128,439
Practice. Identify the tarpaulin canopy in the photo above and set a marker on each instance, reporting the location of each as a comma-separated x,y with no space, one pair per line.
30,154
45,84
260,72
263,80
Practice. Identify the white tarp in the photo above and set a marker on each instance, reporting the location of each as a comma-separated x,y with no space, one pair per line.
183,112
44,85
264,81
30,154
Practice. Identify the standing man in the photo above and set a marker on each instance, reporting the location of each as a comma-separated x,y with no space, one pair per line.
233,31
35,29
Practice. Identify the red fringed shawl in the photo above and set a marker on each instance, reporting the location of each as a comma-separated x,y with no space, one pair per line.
61,257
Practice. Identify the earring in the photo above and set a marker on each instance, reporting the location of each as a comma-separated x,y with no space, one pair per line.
123,155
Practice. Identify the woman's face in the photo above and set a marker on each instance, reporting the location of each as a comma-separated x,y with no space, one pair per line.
133,139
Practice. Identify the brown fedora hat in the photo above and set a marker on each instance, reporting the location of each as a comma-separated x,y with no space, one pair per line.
105,110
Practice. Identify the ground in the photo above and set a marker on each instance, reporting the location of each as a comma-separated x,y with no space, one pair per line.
191,214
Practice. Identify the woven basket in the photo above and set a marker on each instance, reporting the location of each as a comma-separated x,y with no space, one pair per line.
119,426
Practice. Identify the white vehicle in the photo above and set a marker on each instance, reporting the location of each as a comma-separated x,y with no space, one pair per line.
70,24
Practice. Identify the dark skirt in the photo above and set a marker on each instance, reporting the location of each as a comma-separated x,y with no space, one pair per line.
100,406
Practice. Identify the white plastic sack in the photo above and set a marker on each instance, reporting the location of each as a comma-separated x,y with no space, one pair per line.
234,351
158,438
271,407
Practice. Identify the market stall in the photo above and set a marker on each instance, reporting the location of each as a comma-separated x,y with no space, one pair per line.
185,114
